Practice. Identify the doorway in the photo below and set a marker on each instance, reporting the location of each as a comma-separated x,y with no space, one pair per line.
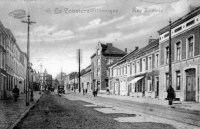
157,87
190,84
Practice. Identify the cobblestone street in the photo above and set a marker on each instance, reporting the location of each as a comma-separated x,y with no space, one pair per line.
53,112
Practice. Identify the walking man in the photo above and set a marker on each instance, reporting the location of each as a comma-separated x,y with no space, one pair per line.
15,93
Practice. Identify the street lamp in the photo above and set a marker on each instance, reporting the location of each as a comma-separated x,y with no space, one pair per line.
32,72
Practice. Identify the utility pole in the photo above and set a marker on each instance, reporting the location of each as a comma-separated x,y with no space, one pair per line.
79,69
74,80
28,22
170,90
61,77
170,56
41,77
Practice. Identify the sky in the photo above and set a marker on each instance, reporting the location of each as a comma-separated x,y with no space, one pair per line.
64,26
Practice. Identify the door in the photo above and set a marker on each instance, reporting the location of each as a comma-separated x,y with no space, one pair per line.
157,86
190,85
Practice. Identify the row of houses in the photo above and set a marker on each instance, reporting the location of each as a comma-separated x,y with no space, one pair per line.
13,64
144,72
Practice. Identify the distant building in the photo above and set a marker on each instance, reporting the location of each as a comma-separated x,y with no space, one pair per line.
86,79
72,81
105,54
47,80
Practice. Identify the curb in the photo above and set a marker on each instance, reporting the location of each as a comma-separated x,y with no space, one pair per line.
23,114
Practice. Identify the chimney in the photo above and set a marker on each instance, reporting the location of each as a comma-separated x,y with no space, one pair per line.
136,48
151,40
109,44
126,50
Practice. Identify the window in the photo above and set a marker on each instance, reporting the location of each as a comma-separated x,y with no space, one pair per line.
178,80
157,60
98,52
190,46
167,55
149,63
178,29
98,72
1,40
1,55
125,69
178,51
122,69
119,71
138,67
128,69
189,23
166,35
143,64
149,84
167,80
133,69
98,62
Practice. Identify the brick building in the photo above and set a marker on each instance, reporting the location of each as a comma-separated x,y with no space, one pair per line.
185,34
105,54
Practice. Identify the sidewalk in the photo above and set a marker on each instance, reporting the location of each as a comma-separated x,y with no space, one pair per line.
176,104
190,106
11,111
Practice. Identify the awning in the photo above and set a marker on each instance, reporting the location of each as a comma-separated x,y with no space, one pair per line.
136,79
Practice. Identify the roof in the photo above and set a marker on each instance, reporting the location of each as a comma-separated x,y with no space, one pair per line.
137,52
111,50
93,55
10,34
181,20
144,49
3,28
86,70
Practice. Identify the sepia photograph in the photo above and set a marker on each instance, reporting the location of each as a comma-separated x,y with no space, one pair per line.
99,64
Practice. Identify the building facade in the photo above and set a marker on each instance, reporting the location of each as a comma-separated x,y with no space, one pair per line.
136,74
3,73
12,64
86,80
105,54
185,55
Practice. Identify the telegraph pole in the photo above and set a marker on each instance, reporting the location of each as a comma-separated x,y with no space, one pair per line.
170,56
79,70
74,80
61,77
28,22
41,77
170,90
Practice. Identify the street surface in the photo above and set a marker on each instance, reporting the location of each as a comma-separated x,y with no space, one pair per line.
11,111
76,111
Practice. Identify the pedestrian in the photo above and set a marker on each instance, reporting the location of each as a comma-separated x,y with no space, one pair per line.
170,94
83,91
15,92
